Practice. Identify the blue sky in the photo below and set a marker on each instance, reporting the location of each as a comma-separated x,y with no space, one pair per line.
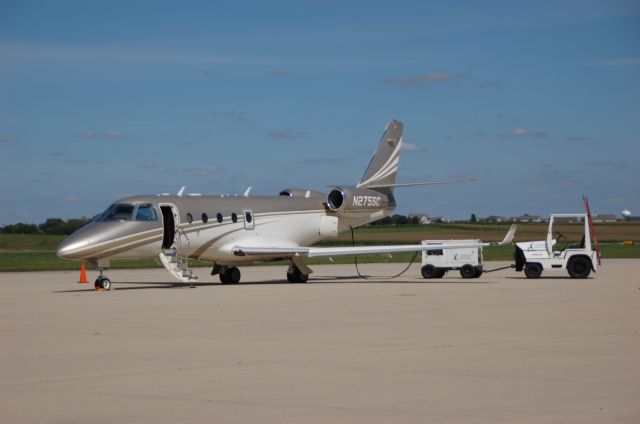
540,101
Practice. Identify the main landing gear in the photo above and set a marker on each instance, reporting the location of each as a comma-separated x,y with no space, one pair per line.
102,282
229,275
294,275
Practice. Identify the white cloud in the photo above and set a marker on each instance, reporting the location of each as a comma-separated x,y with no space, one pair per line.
523,132
411,147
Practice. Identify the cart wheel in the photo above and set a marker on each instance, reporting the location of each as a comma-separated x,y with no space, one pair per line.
579,267
429,271
532,270
440,272
478,272
467,271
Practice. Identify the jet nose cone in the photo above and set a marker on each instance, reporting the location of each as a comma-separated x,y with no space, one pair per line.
65,249
73,247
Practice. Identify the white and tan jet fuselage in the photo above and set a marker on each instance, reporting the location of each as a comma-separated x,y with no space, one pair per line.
232,230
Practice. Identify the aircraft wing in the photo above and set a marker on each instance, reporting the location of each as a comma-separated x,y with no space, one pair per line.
316,252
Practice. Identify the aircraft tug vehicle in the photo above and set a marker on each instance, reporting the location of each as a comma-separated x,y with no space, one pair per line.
578,259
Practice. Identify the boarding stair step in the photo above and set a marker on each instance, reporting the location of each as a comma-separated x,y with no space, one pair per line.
176,266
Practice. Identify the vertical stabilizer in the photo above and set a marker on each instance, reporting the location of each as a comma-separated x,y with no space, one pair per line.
383,166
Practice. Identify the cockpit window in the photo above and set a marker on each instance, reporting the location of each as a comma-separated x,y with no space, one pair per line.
146,213
117,212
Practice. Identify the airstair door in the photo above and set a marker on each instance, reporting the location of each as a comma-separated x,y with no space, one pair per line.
170,222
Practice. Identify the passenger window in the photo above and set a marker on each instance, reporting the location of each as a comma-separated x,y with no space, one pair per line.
234,217
146,213
247,217
189,218
205,218
219,217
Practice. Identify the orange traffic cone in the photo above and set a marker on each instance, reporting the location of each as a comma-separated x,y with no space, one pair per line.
83,274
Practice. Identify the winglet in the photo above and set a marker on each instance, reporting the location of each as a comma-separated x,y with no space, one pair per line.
181,191
247,191
508,238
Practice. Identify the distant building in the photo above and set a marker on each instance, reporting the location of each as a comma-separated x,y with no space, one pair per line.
605,217
527,218
495,218
439,219
422,218
567,219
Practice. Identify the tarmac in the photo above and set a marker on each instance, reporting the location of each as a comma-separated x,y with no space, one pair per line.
498,349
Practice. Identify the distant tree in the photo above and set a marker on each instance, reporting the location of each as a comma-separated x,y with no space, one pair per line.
400,220
473,218
74,224
384,221
397,219
21,228
52,226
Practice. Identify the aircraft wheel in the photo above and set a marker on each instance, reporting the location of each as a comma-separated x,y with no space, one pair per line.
102,283
294,275
467,271
579,267
533,270
234,275
230,275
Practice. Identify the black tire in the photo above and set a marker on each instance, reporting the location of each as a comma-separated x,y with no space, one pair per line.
467,271
440,272
579,267
294,275
102,283
429,271
477,272
234,275
533,270
224,276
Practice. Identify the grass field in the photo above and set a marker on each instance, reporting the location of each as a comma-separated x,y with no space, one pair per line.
26,252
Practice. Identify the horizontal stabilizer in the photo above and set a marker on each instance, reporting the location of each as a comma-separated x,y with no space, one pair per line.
423,183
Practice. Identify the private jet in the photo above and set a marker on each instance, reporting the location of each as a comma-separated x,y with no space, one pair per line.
234,230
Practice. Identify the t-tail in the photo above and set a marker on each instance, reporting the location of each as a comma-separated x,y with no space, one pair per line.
380,174
374,192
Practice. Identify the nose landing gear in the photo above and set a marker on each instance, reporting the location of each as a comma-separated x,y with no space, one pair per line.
102,282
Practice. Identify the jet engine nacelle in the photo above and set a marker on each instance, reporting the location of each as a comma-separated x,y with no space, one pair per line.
297,192
354,199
